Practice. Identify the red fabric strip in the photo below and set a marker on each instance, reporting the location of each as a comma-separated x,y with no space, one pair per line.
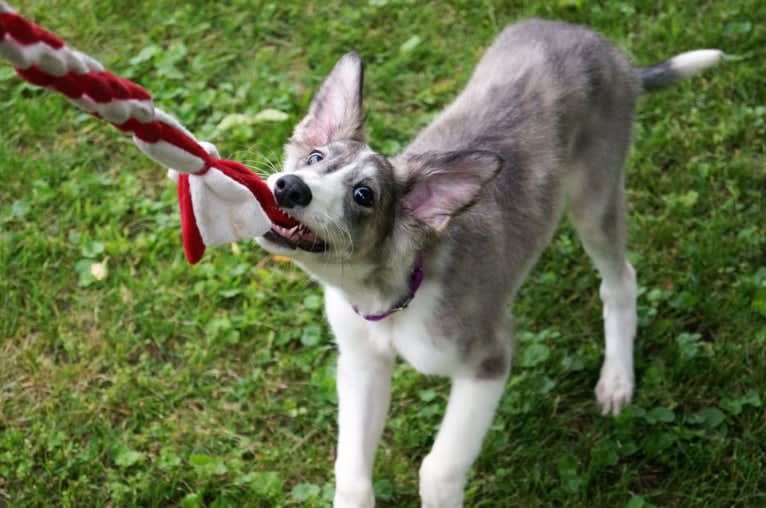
104,87
35,76
27,32
155,131
194,247
242,174
180,139
148,132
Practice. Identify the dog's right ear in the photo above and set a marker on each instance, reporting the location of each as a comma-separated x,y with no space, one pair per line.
443,185
336,110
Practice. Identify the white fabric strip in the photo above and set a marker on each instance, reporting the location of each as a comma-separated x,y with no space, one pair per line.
117,111
81,63
169,119
225,210
171,156
52,61
12,52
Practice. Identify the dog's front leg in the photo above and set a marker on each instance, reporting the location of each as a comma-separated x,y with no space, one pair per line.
470,410
364,393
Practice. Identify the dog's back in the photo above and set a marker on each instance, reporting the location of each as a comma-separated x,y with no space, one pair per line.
538,77
553,99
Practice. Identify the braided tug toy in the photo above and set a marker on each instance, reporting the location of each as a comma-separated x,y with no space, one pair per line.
220,201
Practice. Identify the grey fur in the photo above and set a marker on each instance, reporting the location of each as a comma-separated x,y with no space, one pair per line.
538,78
369,227
555,103
348,126
341,154
657,77
545,121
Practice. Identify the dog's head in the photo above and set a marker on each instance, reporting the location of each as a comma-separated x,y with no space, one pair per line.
353,203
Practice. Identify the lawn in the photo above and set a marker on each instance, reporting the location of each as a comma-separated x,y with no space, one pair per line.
129,378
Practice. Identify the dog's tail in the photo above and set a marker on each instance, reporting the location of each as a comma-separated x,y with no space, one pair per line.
665,74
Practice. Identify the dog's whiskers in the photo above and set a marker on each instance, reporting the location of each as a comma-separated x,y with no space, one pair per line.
257,165
338,235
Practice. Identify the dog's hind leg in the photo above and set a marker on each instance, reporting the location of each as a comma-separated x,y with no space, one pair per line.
597,209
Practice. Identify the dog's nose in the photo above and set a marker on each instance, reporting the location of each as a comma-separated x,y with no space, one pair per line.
291,191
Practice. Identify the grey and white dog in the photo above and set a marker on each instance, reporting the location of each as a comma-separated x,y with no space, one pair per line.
420,254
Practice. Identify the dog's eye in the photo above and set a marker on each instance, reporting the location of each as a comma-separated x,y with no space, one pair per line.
363,195
314,157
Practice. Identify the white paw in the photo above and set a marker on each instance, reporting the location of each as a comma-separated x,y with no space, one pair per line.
614,390
354,496
348,499
439,488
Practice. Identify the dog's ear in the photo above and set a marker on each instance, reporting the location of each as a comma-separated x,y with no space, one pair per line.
443,185
336,110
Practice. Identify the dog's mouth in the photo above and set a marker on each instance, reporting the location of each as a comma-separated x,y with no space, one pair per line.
296,237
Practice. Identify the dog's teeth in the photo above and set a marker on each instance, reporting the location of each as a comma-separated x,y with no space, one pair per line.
298,234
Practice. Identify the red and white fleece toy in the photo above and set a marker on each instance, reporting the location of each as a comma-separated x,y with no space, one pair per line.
220,201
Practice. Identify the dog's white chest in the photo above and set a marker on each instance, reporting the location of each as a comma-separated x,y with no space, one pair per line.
410,334
417,346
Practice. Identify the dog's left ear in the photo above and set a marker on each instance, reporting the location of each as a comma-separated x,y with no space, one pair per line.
446,184
336,110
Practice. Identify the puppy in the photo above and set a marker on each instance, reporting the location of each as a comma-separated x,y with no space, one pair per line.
420,254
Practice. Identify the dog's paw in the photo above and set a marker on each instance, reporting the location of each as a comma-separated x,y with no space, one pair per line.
614,390
354,496
438,487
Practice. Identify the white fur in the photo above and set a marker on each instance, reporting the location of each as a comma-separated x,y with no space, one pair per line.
347,70
325,212
366,354
693,62
364,391
367,351
615,386
470,410
326,206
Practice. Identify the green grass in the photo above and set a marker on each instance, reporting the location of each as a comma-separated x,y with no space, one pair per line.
169,385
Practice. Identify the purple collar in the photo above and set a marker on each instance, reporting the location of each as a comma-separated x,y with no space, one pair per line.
416,279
